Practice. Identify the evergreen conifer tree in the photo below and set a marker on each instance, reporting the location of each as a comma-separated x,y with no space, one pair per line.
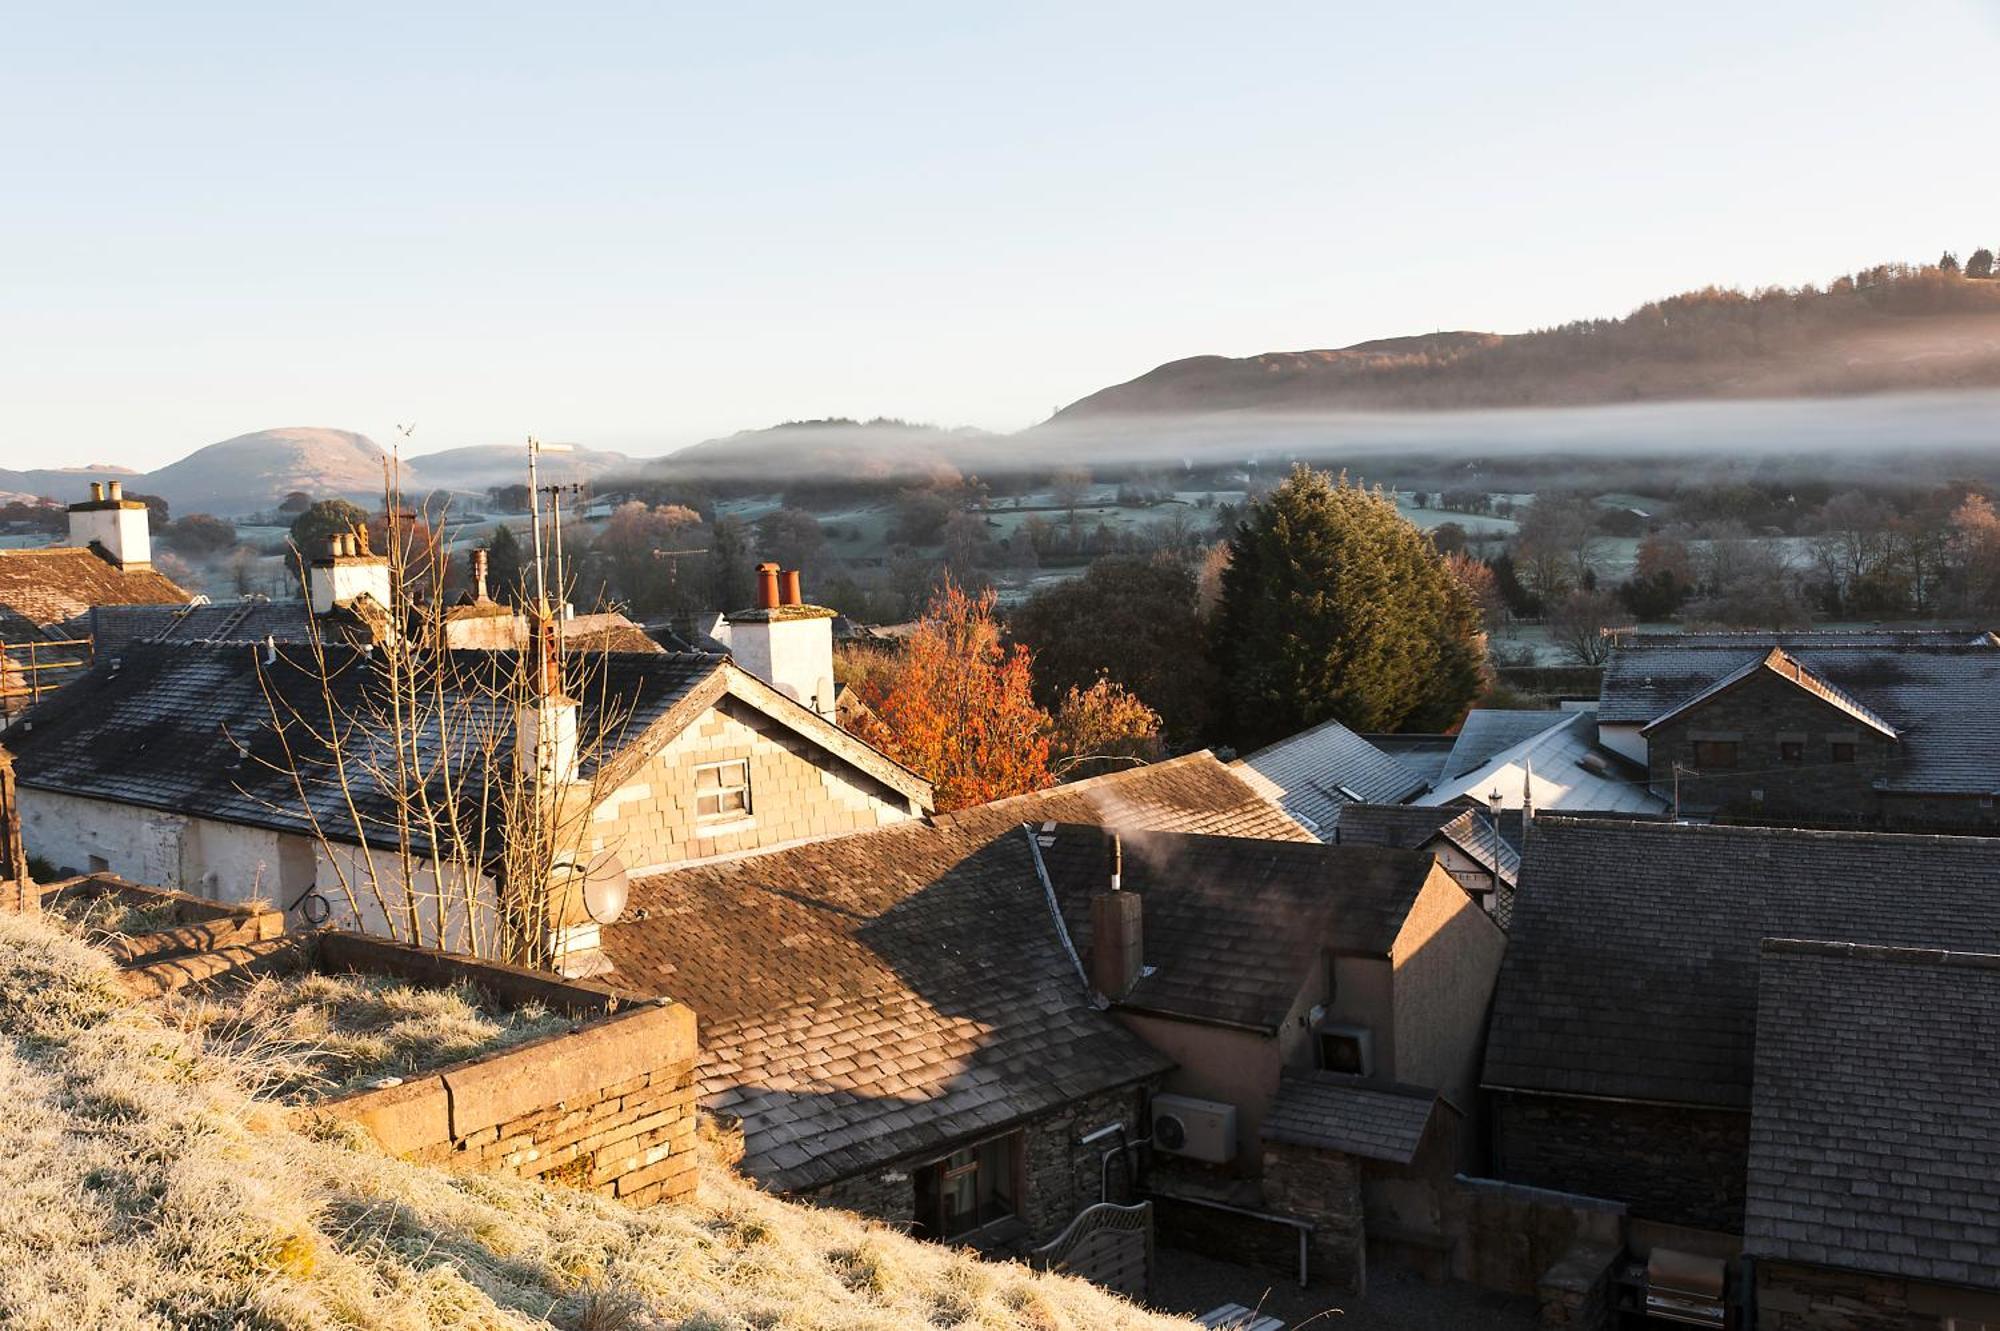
1335,607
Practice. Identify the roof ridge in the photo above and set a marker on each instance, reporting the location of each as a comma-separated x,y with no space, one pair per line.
1545,821
1907,956
1094,782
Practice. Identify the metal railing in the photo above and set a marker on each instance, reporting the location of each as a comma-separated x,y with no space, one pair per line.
31,670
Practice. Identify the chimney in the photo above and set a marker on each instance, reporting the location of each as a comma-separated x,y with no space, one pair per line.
545,723
347,571
785,642
1117,933
119,529
479,575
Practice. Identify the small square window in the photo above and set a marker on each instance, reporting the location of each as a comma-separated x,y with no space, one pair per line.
1791,750
1843,750
1714,753
722,790
968,1189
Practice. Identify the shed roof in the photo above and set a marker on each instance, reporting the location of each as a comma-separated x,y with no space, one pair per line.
1340,1113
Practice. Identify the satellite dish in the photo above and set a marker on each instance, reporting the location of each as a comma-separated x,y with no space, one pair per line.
606,886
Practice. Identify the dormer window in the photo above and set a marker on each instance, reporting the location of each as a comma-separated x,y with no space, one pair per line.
722,791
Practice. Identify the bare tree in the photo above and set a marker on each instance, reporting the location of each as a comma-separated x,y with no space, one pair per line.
449,791
1578,624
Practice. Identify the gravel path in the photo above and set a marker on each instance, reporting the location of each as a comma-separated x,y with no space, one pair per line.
1398,1300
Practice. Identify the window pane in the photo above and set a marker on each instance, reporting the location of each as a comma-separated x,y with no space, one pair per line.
1843,753
707,778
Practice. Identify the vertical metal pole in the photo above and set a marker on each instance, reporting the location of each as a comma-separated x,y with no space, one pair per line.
535,517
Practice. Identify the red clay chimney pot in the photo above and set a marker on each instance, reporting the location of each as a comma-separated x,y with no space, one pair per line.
791,587
767,586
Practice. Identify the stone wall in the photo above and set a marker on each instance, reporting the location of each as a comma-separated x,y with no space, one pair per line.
1757,713
610,1108
1813,1298
1508,1236
797,793
1682,1165
1325,1188
1059,1179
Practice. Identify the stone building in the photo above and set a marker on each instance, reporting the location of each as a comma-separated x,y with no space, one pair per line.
1620,1058
894,1022
1890,729
174,764
1874,1179
1328,999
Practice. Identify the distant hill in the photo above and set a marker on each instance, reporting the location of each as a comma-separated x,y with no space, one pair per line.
1888,329
254,472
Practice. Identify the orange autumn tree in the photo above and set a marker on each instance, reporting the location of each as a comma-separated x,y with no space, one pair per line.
956,708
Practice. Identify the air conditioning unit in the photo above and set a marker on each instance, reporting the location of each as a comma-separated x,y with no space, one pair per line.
1348,1049
1197,1129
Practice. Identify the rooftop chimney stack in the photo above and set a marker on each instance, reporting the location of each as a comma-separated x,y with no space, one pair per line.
545,724
346,571
1117,932
118,528
479,576
784,641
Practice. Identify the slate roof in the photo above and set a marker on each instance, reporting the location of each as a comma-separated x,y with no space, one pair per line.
1346,1114
189,728
53,583
883,995
259,619
1490,731
114,627
1875,1126
1233,926
1569,770
1412,826
1317,772
1939,692
1631,966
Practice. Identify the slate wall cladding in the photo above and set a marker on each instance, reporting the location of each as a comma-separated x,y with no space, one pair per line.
1681,1165
610,1107
1810,1298
1815,789
797,793
1060,1178
1325,1188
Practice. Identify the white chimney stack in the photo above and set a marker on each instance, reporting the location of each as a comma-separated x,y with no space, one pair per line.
545,723
345,570
784,642
120,529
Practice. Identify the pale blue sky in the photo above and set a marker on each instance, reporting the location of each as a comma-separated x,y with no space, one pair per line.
639,225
